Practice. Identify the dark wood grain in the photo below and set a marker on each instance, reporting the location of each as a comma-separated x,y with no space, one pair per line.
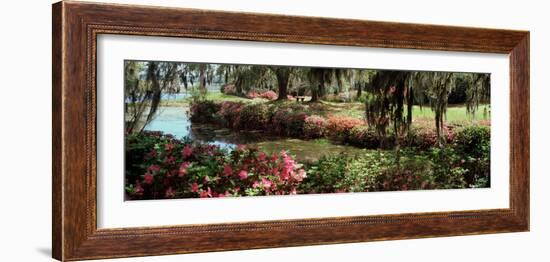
76,26
57,195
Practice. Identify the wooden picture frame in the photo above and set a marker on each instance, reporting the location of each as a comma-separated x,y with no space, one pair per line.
76,26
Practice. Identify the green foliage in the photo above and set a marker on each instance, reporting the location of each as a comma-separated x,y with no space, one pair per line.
203,111
474,145
364,137
254,116
447,169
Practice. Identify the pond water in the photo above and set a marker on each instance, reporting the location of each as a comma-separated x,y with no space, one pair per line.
174,120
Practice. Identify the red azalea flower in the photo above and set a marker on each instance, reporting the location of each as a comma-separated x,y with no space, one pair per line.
267,184
256,184
243,175
187,151
194,187
169,146
299,176
170,160
227,170
183,169
207,193
154,169
148,179
138,190
261,156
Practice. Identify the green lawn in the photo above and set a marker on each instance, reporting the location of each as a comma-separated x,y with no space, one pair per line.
455,113
213,96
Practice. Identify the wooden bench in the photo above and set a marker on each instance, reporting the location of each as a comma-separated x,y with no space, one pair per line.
300,98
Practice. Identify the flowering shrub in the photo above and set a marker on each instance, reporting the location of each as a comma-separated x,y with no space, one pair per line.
473,144
229,113
269,95
203,111
426,137
289,122
160,166
315,126
252,94
437,168
254,116
373,171
340,126
363,136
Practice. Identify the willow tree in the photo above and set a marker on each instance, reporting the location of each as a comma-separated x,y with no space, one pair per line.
226,71
144,84
202,78
184,75
434,88
247,77
478,91
134,93
385,104
362,77
318,79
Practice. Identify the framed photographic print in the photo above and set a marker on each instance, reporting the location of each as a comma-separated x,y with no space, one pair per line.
195,131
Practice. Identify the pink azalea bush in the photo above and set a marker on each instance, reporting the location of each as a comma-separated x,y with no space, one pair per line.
255,116
269,95
423,137
161,167
315,126
340,126
289,122
229,113
252,94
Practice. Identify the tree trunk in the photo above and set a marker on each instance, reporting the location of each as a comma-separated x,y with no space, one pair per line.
322,91
184,80
410,104
314,93
282,82
202,78
359,90
152,75
282,75
238,86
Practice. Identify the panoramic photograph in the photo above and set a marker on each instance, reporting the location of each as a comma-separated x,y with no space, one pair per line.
206,130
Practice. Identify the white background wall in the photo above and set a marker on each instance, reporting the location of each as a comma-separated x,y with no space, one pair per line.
25,129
